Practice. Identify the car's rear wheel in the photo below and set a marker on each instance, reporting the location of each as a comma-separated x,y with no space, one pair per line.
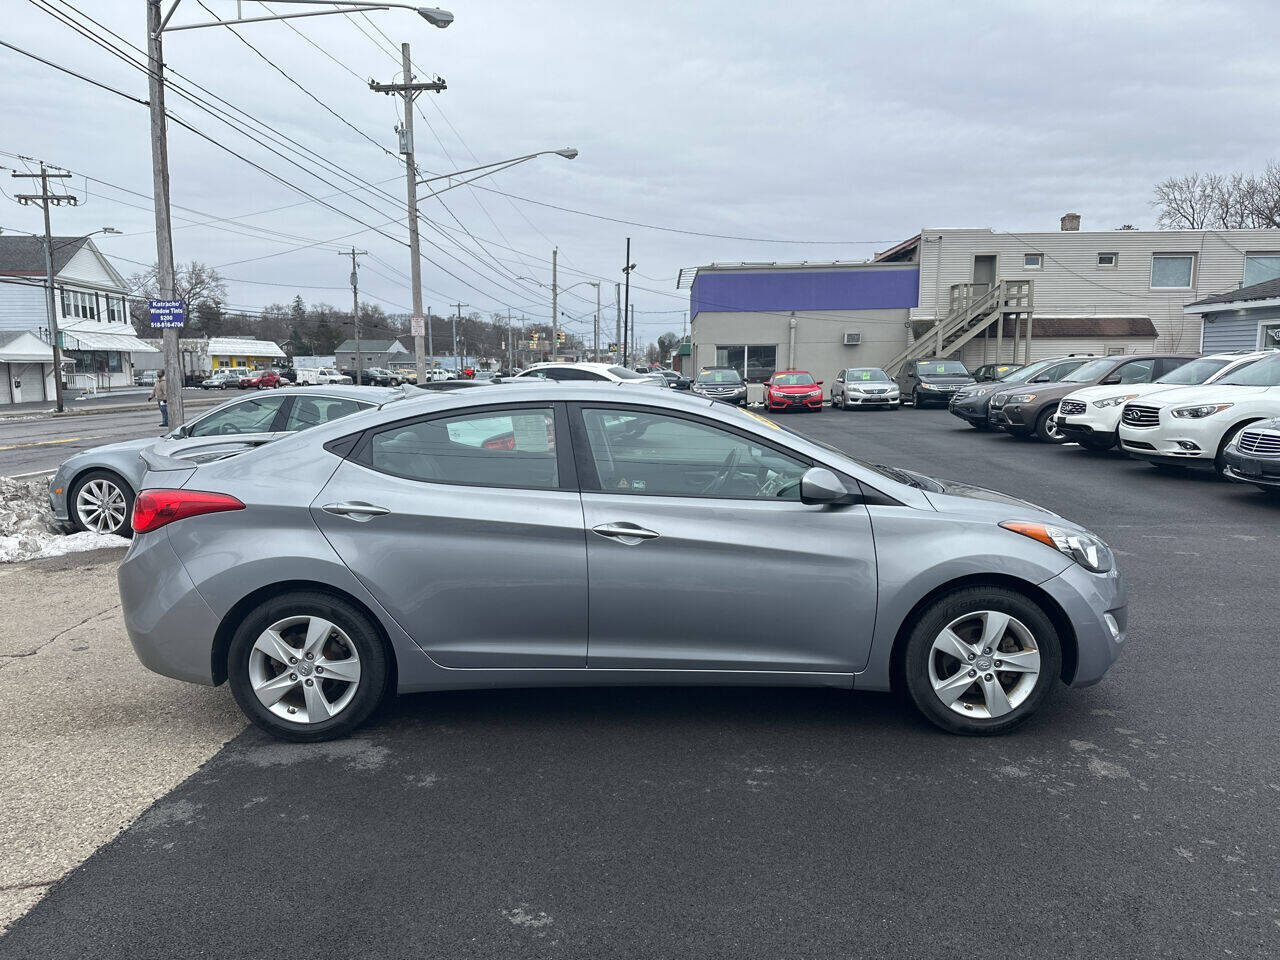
1047,427
307,666
101,501
981,660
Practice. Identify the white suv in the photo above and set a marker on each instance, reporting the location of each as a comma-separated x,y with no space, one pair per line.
1191,426
1091,417
579,372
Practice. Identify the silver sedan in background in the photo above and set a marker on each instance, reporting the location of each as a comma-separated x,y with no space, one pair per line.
94,489
502,537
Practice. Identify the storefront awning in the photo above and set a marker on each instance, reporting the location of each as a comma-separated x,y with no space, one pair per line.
98,337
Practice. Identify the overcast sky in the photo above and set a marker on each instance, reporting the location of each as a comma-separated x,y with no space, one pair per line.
850,122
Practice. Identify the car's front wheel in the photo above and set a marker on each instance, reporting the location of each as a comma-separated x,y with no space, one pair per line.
307,666
101,502
981,660
1047,428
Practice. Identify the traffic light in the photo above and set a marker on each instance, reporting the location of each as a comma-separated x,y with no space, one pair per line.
559,336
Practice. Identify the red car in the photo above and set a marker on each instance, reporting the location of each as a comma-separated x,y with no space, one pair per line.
793,390
260,380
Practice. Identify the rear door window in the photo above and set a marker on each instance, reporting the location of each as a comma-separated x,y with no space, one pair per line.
313,411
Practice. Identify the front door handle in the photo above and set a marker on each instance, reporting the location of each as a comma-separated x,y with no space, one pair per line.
625,532
355,509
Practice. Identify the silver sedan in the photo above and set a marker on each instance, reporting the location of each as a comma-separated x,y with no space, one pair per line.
484,538
94,489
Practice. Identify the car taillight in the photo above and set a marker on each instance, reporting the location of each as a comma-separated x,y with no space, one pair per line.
154,508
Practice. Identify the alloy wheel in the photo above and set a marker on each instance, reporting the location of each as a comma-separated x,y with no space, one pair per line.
304,669
101,506
984,664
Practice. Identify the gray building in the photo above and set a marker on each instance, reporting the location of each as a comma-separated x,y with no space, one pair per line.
1244,319
373,353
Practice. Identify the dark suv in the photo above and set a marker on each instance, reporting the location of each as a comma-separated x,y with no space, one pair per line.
971,404
931,381
1028,409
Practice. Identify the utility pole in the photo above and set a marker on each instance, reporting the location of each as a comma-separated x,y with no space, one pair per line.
431,349
596,355
511,344
409,91
355,309
165,277
457,361
626,308
634,353
46,200
555,317
617,319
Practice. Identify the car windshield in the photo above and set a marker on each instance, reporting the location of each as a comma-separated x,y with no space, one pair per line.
792,380
719,376
1261,373
941,368
1090,371
1194,371
866,373
622,373
877,468
1022,374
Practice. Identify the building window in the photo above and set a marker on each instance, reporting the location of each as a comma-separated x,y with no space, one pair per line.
79,305
1260,267
754,363
1172,271
1032,261
115,309
1108,261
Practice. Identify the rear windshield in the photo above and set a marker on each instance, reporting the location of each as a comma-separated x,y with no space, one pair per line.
945,368
622,373
792,379
873,374
1090,371
719,376
1194,371
1261,373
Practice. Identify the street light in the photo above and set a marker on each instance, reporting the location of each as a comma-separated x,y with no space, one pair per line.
157,25
569,153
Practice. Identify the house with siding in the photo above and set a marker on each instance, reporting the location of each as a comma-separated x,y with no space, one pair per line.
1244,319
98,340
978,295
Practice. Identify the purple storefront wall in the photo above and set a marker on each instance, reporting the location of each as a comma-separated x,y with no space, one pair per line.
853,289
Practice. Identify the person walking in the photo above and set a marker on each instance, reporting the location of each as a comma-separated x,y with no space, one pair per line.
160,396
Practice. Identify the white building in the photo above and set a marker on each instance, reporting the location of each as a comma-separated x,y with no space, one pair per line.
98,341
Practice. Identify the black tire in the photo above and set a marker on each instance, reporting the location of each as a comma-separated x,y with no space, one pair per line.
109,476
371,688
915,399
945,610
1098,444
1220,459
1045,430
980,425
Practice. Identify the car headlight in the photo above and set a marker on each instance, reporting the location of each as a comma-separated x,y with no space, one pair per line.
1199,412
1114,401
1020,398
1084,548
816,392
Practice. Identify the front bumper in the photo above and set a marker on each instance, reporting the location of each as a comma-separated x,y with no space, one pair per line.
168,622
784,402
860,399
1011,416
1074,430
1093,603
1264,471
1155,446
735,396
971,409
58,504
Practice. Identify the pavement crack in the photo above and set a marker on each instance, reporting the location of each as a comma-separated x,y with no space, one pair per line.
61,633
5,888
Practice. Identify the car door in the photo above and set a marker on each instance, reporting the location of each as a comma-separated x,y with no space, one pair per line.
466,526
702,556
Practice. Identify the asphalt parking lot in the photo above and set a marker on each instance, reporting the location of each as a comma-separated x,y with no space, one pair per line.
1136,818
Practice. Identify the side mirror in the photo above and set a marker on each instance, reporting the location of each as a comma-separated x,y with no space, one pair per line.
1040,379
1111,380
820,485
819,383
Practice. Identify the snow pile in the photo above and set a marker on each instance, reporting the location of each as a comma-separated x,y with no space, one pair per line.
28,530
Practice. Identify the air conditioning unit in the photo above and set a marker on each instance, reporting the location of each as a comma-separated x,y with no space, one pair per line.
852,338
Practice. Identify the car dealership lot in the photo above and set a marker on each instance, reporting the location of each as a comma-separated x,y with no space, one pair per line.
1134,818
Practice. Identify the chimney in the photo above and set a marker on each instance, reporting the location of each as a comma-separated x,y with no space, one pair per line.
1070,221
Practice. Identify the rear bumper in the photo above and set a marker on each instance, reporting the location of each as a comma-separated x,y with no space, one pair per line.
1098,607
168,622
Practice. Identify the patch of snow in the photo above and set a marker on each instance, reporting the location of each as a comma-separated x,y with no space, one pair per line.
28,531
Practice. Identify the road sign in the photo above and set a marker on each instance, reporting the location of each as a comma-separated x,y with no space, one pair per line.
417,326
166,313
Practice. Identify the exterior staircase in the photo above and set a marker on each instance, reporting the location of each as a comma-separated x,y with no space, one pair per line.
973,308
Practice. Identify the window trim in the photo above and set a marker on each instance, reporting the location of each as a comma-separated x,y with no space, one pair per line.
589,478
1151,277
1113,265
1038,265
1252,255
566,472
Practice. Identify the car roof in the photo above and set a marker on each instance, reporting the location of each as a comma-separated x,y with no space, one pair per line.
378,395
776,372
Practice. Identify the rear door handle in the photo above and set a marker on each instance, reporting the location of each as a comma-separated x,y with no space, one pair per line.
355,509
625,532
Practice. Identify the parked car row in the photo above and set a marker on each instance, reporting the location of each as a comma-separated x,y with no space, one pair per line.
1219,412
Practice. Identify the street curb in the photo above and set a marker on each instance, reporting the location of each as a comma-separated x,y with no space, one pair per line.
115,408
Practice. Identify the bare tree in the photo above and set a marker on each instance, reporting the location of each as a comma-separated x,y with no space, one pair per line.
1223,201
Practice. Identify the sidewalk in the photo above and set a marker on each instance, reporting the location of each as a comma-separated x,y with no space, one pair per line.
117,401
